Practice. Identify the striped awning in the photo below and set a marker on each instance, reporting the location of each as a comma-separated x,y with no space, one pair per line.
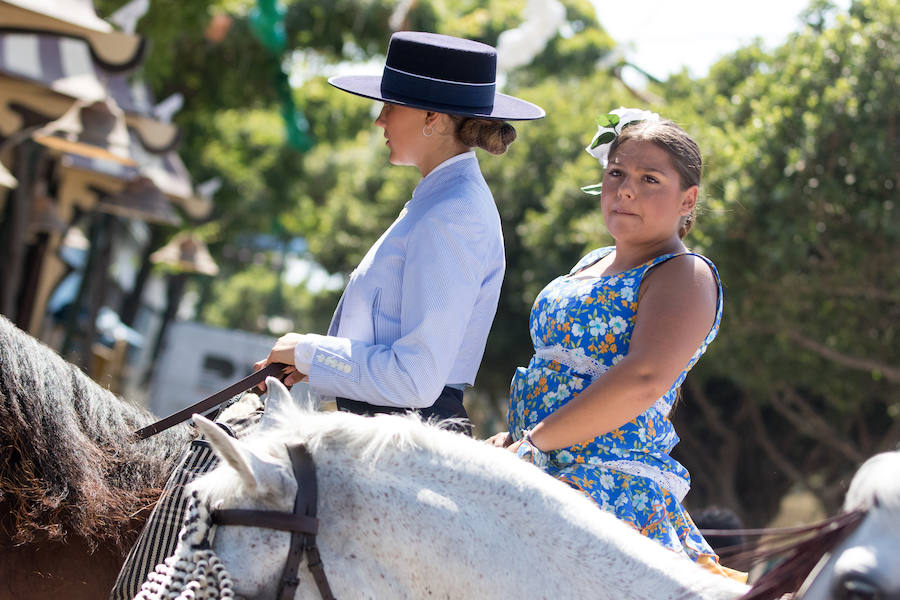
167,171
66,66
115,50
41,75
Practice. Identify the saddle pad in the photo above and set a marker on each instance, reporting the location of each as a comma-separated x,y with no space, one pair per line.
160,535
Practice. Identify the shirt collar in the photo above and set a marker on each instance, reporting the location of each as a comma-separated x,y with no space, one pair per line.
450,161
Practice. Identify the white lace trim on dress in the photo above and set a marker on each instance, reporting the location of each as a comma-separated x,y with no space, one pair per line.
661,406
579,362
575,359
669,481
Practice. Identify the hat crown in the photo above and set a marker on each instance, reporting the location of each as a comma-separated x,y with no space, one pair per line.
442,57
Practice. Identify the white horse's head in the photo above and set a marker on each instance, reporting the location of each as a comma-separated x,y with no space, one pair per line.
866,565
408,510
257,475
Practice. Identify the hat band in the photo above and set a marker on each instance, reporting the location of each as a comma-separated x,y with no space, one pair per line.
439,91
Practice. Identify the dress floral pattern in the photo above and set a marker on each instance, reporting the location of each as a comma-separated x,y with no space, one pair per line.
580,327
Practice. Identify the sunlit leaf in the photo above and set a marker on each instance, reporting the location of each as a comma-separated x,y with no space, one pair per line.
603,138
593,190
608,120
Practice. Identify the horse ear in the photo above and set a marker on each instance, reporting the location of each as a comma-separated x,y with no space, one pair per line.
278,395
254,471
305,397
279,398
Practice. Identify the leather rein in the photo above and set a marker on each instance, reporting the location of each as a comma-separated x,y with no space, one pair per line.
302,523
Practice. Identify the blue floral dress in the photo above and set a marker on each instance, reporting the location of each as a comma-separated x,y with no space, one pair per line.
580,327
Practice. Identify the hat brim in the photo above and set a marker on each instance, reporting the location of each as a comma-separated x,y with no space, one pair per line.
506,108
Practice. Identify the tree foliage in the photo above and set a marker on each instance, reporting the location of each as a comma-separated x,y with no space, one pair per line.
802,152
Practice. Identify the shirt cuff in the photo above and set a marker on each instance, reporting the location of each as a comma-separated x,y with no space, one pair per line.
304,351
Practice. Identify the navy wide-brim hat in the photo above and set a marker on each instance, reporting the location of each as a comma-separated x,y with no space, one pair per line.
440,73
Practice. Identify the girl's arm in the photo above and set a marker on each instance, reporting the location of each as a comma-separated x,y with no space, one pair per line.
676,309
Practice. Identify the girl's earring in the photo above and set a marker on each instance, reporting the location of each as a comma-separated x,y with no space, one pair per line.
427,130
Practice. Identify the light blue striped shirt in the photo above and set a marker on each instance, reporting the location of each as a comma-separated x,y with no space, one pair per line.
416,312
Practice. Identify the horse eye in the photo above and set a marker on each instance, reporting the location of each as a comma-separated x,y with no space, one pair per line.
856,588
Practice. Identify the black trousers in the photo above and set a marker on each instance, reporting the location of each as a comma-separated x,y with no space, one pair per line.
449,405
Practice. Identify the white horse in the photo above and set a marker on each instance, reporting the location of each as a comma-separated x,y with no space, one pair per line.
408,510
866,566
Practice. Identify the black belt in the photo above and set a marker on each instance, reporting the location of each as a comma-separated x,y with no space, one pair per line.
449,405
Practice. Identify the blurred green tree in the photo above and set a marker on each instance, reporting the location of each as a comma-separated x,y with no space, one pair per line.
801,217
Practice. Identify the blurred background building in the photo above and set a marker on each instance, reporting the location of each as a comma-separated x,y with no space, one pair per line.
91,184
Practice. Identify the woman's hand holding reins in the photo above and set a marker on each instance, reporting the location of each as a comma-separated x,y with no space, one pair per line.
283,352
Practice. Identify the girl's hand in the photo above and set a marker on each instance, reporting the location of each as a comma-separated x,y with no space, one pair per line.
514,447
499,440
283,350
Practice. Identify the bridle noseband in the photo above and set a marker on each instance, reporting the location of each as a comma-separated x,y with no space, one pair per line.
302,524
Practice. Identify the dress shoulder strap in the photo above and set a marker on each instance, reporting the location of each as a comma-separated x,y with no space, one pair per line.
590,258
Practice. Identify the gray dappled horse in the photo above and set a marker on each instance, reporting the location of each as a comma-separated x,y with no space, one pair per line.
76,486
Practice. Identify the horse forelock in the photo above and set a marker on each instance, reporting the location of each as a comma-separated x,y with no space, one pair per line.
876,484
68,464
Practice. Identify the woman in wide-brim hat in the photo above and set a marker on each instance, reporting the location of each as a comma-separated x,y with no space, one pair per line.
410,329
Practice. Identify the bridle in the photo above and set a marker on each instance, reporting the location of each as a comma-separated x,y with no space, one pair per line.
302,523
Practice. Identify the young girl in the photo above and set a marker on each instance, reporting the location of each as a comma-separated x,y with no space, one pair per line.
410,330
615,337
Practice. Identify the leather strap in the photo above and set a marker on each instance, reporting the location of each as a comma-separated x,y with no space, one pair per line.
266,519
302,524
272,369
305,504
853,516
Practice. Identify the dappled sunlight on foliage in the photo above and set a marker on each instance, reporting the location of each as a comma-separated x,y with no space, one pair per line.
244,301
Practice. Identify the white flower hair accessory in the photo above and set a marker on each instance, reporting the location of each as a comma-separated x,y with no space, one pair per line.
609,126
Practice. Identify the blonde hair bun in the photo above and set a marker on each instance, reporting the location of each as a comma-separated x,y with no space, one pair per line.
489,134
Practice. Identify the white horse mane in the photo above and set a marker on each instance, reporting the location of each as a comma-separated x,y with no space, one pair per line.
367,441
369,438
